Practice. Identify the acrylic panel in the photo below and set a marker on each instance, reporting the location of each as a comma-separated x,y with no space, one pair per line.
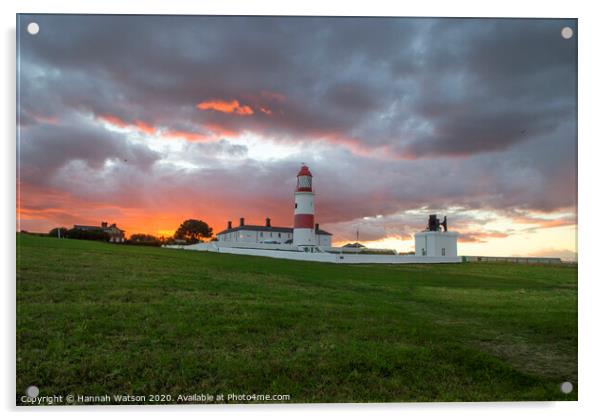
285,209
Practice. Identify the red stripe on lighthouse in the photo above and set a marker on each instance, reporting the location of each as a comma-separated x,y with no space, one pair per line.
304,221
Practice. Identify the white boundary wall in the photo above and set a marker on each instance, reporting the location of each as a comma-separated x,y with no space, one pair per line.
317,256
213,245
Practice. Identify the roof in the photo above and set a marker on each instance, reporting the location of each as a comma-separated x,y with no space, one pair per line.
354,245
87,227
304,171
256,228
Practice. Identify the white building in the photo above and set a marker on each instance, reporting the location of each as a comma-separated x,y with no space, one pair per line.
433,242
305,235
268,234
305,241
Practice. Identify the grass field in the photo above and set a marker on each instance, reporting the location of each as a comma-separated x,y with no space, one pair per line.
95,318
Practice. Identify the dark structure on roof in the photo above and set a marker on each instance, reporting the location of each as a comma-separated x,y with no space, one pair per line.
435,224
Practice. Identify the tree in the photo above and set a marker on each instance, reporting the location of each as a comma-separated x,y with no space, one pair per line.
58,232
143,237
193,231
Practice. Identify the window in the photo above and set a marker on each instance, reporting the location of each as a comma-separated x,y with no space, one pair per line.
423,251
443,251
295,205
280,235
261,234
304,181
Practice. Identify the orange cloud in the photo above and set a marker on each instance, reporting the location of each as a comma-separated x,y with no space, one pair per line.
232,107
188,136
137,125
113,120
147,128
480,237
220,130
545,223
144,127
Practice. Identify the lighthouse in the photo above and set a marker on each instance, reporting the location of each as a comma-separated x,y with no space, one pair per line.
303,231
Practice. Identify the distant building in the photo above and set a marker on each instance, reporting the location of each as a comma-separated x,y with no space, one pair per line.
115,234
354,245
268,234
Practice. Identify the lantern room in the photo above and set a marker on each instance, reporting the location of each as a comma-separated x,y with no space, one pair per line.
304,179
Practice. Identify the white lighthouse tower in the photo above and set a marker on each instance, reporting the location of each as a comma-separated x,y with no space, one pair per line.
303,232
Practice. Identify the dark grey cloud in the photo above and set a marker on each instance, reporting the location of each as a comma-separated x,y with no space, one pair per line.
476,113
339,75
45,148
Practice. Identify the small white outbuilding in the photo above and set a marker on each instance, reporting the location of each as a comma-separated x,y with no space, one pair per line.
436,244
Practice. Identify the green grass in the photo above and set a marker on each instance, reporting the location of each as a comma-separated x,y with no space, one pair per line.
96,318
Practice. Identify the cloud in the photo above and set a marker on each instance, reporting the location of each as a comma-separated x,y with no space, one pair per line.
186,135
480,236
423,87
546,223
231,107
392,115
138,125
46,148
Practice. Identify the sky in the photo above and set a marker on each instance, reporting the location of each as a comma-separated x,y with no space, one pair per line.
146,121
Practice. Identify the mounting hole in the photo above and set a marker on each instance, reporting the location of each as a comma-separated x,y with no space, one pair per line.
32,391
33,28
566,387
566,32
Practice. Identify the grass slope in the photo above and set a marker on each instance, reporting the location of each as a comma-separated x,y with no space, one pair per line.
96,318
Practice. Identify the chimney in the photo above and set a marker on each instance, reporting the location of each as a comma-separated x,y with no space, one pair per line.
317,227
229,224
268,222
242,221
103,224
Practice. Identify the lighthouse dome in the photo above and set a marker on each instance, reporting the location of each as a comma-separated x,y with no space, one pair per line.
304,171
304,180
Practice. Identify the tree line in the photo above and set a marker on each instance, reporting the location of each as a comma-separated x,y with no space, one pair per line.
190,231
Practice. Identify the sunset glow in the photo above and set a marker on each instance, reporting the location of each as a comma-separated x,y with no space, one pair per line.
392,132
